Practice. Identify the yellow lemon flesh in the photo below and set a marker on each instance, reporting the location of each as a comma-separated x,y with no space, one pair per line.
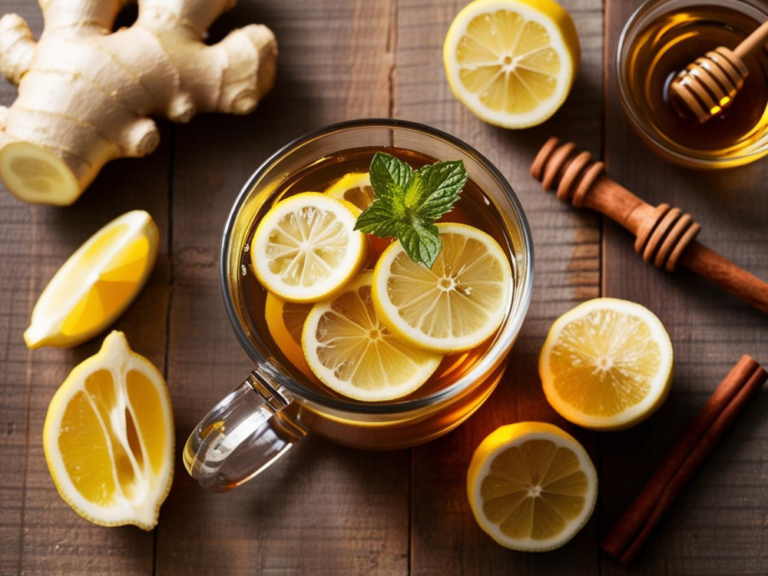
531,486
512,62
96,284
607,364
354,188
457,304
305,249
109,438
285,321
353,353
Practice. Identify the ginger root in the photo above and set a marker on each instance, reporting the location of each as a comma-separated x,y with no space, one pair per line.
86,93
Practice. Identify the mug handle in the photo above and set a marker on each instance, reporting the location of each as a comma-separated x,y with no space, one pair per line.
243,435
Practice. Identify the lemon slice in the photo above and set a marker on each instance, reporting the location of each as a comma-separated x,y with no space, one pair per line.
354,188
108,438
353,353
607,364
454,306
512,62
306,249
96,284
531,486
285,321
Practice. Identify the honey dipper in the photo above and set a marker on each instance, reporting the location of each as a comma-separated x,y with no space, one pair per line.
709,84
665,236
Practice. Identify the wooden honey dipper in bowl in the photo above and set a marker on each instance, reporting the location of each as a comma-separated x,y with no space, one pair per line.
665,236
709,84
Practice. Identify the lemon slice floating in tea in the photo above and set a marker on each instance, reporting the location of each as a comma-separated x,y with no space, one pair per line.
354,188
607,364
96,284
353,353
457,304
512,62
531,486
108,438
285,321
305,249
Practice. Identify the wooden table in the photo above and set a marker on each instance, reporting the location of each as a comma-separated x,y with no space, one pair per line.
325,509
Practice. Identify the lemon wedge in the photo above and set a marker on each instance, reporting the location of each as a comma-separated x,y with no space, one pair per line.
607,364
354,354
512,62
306,249
285,322
96,284
457,304
108,438
531,486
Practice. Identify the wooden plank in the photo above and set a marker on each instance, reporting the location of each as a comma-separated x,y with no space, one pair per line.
323,509
444,536
718,526
39,533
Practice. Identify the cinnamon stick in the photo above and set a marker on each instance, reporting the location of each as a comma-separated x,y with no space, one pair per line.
633,529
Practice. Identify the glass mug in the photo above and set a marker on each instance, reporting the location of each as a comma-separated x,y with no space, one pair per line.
274,408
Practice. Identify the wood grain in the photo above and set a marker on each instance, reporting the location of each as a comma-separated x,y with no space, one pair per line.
39,533
323,509
444,536
718,526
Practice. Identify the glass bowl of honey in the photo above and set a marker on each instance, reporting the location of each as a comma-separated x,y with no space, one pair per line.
660,39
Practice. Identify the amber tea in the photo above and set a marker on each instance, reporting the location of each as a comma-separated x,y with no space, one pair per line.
282,322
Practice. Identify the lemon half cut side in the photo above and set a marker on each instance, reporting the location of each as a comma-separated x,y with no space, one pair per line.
607,364
109,438
531,486
512,62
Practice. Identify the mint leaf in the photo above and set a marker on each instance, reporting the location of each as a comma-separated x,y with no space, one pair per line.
407,202
421,242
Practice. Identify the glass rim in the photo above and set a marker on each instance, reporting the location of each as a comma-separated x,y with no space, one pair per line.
641,126
489,360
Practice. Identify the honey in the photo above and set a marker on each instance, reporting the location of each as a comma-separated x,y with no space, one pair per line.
664,46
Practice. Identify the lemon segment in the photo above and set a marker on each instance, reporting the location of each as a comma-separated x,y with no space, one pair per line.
607,364
531,486
96,284
457,304
353,353
109,438
305,248
285,321
512,62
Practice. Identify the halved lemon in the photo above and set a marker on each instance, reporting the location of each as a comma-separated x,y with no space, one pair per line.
457,304
306,248
285,321
96,284
109,439
353,353
607,364
531,486
512,62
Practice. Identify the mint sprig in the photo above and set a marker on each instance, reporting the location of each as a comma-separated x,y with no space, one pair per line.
408,202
